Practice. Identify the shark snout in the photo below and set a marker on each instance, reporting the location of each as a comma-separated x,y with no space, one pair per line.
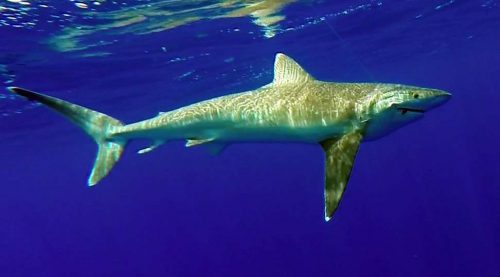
426,99
441,93
438,98
423,100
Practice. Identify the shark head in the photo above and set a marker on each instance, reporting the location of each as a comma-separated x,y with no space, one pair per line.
393,106
418,100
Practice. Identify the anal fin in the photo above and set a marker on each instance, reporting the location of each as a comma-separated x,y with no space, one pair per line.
153,146
339,159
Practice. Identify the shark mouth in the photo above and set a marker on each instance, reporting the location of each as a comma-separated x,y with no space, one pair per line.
405,110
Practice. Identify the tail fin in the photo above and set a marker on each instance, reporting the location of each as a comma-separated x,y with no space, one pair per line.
95,124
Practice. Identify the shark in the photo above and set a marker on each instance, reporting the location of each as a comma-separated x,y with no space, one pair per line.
294,107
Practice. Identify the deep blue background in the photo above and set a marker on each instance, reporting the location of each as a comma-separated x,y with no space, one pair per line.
423,201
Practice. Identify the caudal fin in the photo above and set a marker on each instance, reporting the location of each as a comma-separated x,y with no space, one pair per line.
95,124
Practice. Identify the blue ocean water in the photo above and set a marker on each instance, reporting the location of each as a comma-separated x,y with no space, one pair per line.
422,201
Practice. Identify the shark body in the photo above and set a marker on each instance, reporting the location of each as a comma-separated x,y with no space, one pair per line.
294,107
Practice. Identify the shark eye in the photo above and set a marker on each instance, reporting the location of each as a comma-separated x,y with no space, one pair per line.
416,96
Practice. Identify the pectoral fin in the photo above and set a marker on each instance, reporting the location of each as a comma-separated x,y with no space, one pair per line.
339,158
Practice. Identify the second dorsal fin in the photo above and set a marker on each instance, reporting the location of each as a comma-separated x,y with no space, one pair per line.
288,71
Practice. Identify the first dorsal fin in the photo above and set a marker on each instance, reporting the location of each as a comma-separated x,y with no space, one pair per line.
288,71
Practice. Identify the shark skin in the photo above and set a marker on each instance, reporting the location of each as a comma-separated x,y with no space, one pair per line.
294,107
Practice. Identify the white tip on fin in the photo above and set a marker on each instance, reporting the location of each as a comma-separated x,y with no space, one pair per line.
287,71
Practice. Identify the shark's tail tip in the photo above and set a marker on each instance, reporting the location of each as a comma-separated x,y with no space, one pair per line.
16,90
30,95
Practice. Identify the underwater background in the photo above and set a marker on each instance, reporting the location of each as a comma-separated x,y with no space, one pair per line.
422,201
